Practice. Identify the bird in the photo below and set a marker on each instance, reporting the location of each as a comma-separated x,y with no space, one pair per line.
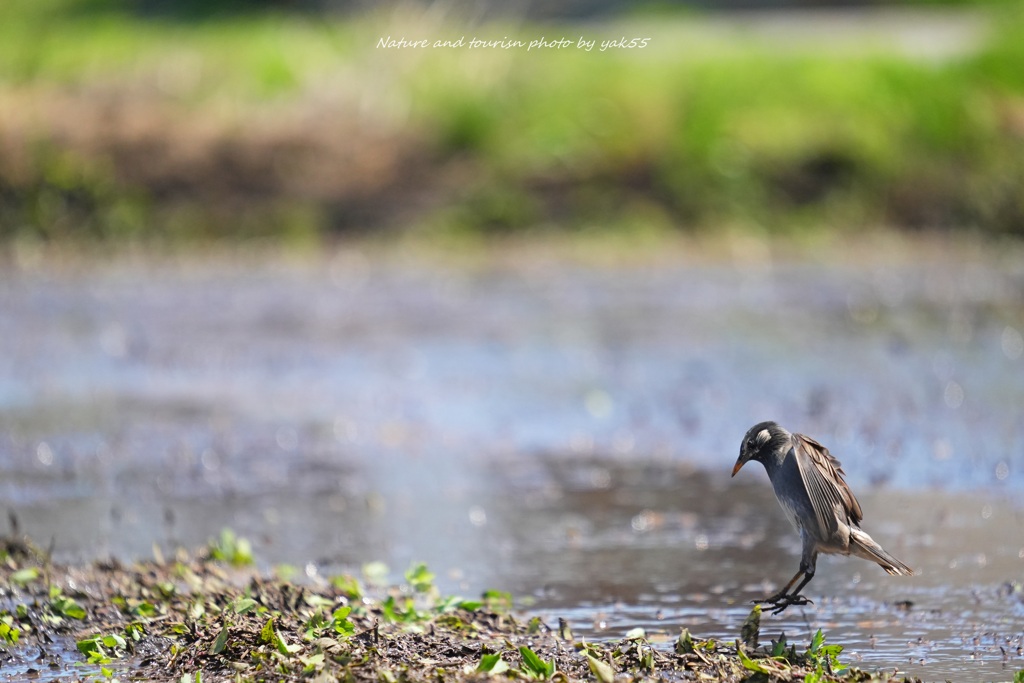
809,483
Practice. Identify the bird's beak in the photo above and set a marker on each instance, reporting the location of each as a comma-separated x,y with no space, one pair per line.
739,464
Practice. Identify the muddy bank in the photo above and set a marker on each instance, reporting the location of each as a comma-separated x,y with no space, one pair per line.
130,157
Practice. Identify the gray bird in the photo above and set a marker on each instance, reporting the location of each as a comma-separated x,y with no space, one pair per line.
809,484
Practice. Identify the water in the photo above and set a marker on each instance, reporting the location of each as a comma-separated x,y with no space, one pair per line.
561,431
667,547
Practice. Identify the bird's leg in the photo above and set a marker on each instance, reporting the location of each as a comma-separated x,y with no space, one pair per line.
789,601
807,564
783,594
793,598
808,575
784,598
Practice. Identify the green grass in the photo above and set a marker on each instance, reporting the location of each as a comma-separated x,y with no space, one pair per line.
692,132
769,139
256,56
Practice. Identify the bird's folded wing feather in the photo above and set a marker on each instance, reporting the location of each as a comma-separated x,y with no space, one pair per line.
823,478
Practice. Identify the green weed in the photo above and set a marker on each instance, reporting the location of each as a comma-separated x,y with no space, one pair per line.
232,549
9,632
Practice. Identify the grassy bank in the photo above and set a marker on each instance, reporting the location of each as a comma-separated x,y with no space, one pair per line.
214,618
124,126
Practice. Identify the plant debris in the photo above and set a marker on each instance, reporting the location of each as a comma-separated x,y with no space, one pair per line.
213,616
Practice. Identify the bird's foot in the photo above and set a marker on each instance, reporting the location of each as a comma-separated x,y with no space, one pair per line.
780,601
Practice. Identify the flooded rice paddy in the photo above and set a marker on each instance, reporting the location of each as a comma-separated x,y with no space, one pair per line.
561,431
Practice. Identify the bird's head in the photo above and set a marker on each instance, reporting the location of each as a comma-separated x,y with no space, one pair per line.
760,442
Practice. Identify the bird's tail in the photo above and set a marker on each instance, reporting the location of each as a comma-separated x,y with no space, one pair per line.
864,546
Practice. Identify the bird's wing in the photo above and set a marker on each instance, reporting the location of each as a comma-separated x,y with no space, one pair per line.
823,478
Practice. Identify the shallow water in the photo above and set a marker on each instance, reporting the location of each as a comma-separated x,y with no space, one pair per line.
665,547
560,431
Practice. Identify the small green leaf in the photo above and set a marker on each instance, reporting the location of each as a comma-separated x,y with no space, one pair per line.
25,576
390,610
601,670
146,610
684,644
232,549
750,630
89,646
348,585
339,620
167,589
816,642
779,647
535,664
284,648
8,633
220,642
270,636
405,613
114,641
447,603
492,663
636,633
419,577
376,573
314,625
749,663
314,600
267,635
243,605
497,599
65,606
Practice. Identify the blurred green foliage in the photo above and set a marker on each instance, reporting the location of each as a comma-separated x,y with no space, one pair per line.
781,141
686,133
770,139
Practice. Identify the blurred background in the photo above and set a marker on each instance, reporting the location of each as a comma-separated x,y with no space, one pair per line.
509,309
161,121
